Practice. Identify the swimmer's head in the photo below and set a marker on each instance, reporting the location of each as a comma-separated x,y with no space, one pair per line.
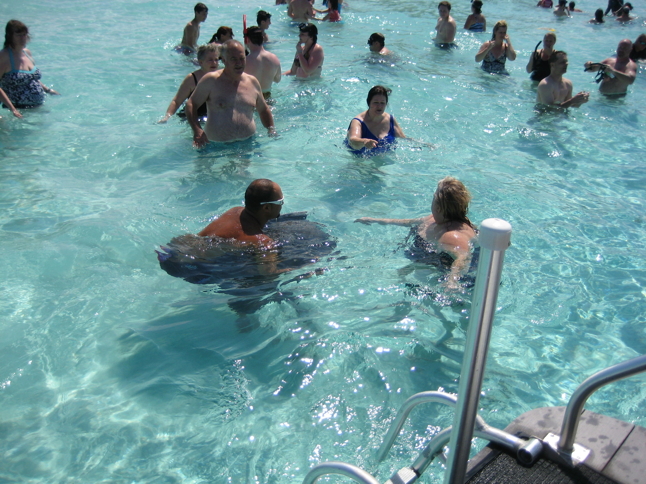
254,35
203,52
476,7
558,62
444,3
549,39
640,43
624,48
261,193
262,16
223,34
451,200
14,27
377,41
562,3
499,25
309,29
229,49
571,5
199,8
378,90
598,15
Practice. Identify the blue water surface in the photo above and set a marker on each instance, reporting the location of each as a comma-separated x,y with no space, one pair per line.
113,371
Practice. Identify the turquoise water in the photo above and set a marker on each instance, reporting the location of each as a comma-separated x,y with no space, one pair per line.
113,371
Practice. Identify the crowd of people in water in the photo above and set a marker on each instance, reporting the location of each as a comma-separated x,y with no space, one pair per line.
219,102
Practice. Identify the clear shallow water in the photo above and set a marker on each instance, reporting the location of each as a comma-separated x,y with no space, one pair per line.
113,371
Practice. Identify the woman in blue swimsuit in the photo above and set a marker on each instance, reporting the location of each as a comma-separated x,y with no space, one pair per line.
19,78
374,131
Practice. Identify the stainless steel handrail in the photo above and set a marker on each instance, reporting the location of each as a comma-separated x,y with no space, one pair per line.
402,415
587,388
348,470
495,236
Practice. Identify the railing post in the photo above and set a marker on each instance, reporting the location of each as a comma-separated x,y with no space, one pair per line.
494,238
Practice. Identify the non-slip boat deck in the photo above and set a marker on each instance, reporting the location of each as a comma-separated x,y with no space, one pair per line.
617,453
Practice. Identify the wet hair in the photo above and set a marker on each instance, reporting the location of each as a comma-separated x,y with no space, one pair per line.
221,31
200,7
445,4
262,16
550,34
499,24
555,56
310,29
452,200
571,5
628,5
563,3
206,49
625,10
598,15
477,6
378,91
334,4
13,27
224,50
258,191
254,34
377,37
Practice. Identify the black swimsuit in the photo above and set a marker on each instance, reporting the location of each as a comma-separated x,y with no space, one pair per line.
201,111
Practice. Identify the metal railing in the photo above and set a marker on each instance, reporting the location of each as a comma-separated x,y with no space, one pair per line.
587,388
494,238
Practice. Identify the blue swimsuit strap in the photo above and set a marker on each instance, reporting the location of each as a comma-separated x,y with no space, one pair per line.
13,65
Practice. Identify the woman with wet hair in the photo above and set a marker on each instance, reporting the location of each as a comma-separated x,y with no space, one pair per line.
447,229
374,131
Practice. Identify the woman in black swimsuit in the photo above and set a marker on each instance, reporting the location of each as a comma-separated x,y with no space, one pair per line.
309,55
447,229
207,56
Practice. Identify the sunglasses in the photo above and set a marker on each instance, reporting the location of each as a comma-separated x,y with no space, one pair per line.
275,202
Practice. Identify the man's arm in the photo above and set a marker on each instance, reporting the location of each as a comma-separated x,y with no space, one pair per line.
278,75
199,97
190,35
628,76
451,29
264,112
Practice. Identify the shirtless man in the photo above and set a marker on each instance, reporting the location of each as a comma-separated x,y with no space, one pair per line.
555,90
618,72
448,225
263,19
377,43
300,10
263,201
561,10
192,29
261,64
230,96
445,27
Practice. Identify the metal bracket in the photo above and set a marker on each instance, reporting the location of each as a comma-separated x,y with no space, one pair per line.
576,457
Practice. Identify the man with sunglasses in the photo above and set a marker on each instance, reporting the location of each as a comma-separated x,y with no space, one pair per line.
263,202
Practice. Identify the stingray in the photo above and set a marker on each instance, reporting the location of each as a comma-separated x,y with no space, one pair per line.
238,271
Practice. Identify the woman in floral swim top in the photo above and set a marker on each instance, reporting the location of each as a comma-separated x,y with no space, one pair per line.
20,85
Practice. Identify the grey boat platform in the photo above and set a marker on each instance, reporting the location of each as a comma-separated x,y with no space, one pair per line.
617,452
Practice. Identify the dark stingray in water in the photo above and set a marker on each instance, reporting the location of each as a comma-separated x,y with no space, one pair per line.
239,271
